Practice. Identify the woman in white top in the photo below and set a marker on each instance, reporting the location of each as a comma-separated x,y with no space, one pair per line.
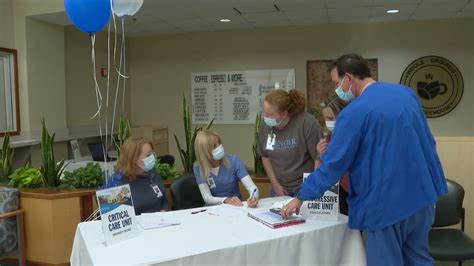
218,173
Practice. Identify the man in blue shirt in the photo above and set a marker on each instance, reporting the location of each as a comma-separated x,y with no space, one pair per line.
383,139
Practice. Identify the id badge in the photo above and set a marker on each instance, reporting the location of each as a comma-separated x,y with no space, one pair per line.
270,142
210,182
157,191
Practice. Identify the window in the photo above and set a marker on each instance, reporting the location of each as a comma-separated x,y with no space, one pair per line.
9,107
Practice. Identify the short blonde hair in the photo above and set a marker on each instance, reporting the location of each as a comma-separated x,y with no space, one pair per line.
129,154
203,146
291,101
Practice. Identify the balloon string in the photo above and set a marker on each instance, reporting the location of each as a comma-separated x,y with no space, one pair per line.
123,50
97,88
115,42
117,88
97,94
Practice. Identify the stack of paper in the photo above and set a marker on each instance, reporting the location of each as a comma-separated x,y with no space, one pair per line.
157,219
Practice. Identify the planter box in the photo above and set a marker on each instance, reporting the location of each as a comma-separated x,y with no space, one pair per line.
51,218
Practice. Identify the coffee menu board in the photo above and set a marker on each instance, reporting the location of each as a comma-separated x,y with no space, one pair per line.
234,97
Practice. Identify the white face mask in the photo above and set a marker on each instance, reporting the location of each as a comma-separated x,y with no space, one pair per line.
218,153
330,125
149,162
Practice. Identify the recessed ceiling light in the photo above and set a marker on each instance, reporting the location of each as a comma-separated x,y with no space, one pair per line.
392,11
224,20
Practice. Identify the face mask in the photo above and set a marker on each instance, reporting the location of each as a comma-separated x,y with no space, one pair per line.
271,122
330,125
218,153
346,96
149,162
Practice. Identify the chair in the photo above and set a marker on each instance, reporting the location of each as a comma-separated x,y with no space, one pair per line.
11,225
185,193
450,244
168,159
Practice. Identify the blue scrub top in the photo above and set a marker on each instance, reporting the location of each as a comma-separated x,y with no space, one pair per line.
145,199
227,180
383,139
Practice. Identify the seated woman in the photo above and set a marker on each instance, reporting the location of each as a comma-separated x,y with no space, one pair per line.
330,110
136,167
218,173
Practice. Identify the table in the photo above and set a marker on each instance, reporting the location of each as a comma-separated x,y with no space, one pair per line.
224,235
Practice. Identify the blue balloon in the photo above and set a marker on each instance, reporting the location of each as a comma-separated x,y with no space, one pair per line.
89,16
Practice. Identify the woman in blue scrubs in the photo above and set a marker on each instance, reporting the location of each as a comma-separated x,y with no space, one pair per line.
218,173
136,167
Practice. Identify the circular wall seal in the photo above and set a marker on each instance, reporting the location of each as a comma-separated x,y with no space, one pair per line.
437,82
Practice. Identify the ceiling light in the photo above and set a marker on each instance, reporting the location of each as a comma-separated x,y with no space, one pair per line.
224,20
392,11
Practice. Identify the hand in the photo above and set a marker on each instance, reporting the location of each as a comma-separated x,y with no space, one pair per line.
322,147
279,190
252,202
234,201
293,206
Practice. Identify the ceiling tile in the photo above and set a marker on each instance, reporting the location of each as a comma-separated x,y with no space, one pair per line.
356,12
347,3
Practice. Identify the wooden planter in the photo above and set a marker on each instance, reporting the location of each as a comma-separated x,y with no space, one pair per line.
51,218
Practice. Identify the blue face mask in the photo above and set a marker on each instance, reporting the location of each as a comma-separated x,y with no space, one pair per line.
149,162
346,96
271,122
218,153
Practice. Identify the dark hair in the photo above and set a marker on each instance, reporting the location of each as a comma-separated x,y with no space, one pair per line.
353,64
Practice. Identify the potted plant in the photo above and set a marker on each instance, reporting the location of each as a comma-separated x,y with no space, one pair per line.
187,155
90,176
51,213
257,158
6,157
50,169
26,177
125,130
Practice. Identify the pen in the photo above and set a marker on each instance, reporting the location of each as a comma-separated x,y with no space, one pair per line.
195,212
253,193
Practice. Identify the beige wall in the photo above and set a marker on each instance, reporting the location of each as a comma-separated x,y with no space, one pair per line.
7,35
21,10
161,66
457,156
80,91
46,74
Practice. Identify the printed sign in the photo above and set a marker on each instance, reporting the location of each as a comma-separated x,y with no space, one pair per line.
117,214
437,82
325,208
235,97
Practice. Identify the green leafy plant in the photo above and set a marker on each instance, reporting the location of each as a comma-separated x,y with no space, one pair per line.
90,176
50,170
186,154
27,176
6,157
124,132
257,158
166,171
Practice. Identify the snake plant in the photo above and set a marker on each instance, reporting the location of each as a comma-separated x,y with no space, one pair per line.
257,158
50,170
6,158
187,155
124,133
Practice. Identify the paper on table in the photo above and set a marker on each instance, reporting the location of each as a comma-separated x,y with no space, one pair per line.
226,210
157,219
